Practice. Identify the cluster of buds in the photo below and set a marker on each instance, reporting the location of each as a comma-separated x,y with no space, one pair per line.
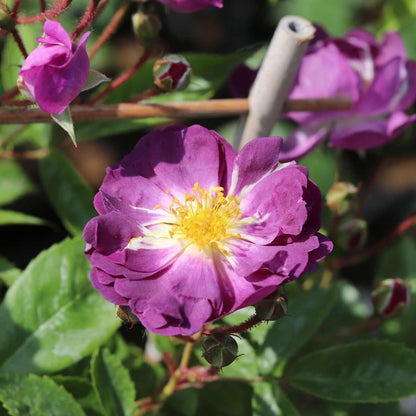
391,297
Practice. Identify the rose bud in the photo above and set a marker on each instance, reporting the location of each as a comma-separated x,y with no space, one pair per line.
220,350
391,297
338,197
146,27
353,234
172,73
272,308
56,71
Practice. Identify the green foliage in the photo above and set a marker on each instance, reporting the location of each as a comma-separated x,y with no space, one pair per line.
366,371
285,337
269,400
51,316
112,384
67,191
31,395
8,217
14,182
8,271
182,403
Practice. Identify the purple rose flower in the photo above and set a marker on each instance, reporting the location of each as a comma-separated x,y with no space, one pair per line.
377,77
190,231
57,70
189,6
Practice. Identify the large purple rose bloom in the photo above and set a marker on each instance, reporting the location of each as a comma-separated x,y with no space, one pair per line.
189,231
377,76
57,70
189,6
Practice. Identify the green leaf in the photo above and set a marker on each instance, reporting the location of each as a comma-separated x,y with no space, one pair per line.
94,79
225,398
367,371
67,191
286,336
181,403
245,365
14,182
81,389
51,316
269,400
8,271
64,120
36,396
8,217
112,384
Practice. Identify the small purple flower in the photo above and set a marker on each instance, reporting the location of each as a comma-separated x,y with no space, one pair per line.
189,6
56,71
189,231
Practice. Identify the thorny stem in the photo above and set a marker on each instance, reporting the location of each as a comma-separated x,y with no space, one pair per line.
19,42
236,329
57,8
404,226
86,19
122,78
110,29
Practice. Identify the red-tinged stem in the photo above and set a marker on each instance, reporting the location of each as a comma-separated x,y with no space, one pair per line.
236,329
19,103
15,8
8,95
110,29
86,19
19,42
100,7
122,78
52,13
404,226
4,8
42,5
145,95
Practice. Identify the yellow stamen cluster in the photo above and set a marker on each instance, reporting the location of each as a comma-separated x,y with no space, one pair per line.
207,218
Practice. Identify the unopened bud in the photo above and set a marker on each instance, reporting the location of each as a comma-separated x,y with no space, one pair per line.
272,308
391,297
146,27
6,21
126,315
172,73
338,197
353,234
220,349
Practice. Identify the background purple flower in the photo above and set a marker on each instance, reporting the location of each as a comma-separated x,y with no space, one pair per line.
377,76
57,70
189,6
190,231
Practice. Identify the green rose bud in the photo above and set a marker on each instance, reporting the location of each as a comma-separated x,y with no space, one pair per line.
172,73
220,349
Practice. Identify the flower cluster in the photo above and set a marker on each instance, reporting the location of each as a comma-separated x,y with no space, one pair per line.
189,6
189,231
56,71
376,76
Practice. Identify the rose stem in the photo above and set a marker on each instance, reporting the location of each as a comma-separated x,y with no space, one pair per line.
110,29
52,13
275,77
236,329
9,94
122,78
86,19
15,8
145,95
19,42
404,226
190,109
42,5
